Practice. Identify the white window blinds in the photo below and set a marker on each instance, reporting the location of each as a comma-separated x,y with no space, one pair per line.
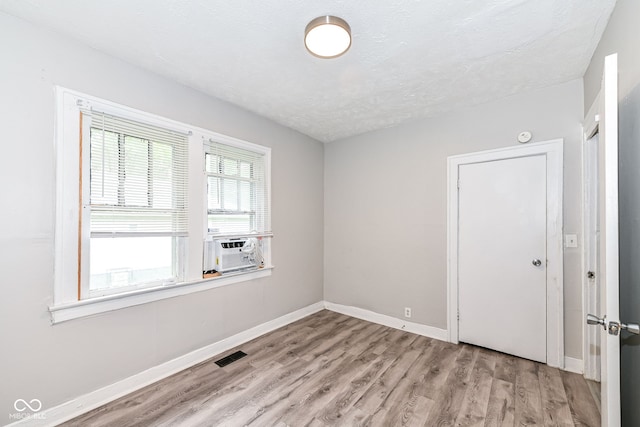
138,178
237,190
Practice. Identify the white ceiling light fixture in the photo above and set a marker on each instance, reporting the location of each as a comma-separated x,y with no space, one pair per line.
327,36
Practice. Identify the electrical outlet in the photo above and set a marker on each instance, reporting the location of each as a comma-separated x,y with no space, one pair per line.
407,312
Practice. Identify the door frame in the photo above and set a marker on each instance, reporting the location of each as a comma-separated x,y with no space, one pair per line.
591,361
609,298
553,150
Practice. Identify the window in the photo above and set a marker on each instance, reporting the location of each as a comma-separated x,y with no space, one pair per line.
133,209
236,190
137,206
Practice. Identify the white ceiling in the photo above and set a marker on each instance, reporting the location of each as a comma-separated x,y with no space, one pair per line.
409,58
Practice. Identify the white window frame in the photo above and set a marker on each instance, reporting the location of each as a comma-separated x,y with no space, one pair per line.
260,219
179,260
66,304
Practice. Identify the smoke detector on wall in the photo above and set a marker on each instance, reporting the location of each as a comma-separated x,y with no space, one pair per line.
524,137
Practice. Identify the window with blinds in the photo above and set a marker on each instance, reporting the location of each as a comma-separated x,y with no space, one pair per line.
237,191
137,202
142,202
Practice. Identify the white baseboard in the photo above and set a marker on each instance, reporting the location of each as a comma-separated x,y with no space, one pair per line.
97,398
573,365
392,322
570,364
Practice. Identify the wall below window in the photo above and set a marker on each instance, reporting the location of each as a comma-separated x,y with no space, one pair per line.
386,210
622,36
57,363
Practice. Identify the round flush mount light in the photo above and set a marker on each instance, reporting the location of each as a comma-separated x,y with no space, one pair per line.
327,36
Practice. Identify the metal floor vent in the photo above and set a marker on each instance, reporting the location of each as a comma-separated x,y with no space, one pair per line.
230,358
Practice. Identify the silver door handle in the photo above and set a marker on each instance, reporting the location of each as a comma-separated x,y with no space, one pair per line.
595,320
613,327
536,262
634,328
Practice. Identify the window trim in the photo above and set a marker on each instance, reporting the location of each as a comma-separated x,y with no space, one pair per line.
88,124
260,214
89,307
66,303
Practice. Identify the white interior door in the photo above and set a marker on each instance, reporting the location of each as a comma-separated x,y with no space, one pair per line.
502,223
609,260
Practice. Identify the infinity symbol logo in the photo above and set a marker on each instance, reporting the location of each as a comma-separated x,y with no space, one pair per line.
22,405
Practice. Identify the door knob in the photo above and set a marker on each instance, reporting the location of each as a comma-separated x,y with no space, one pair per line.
536,262
634,328
614,327
595,320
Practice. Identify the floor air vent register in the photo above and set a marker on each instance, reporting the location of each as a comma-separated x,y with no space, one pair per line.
230,358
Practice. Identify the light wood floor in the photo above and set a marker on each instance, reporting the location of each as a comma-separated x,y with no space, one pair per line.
331,369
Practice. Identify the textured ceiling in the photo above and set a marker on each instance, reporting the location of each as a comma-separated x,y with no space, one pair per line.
409,58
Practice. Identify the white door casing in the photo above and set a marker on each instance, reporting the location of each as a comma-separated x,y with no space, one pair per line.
552,151
590,258
502,255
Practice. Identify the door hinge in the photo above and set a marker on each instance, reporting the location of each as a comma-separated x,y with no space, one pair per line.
458,184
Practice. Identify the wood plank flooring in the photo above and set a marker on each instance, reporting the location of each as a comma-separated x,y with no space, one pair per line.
333,370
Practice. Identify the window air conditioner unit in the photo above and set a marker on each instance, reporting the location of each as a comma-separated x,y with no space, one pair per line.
224,255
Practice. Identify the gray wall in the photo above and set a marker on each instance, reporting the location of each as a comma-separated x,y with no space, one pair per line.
623,36
57,363
386,211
